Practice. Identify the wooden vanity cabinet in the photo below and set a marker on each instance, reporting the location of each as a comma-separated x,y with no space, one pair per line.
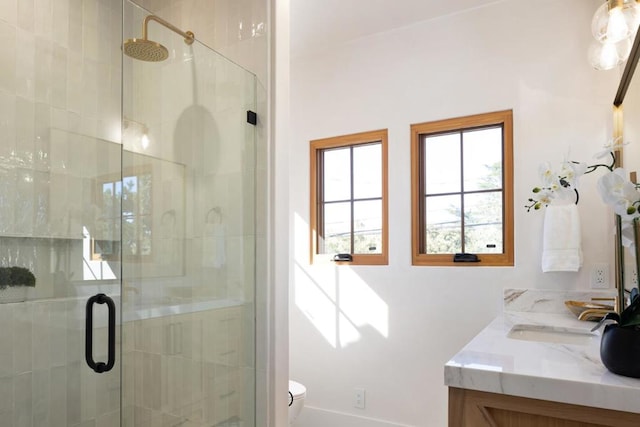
470,408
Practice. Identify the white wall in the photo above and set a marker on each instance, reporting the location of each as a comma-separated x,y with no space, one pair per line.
278,218
391,329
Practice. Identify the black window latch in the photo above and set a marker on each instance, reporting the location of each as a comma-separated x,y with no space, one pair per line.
465,258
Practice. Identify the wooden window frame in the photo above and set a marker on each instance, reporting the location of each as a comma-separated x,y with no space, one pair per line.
502,118
351,140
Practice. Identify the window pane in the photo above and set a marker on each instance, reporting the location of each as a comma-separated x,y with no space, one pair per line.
483,223
442,163
129,235
146,225
367,171
337,228
337,181
130,195
367,224
482,152
443,225
144,194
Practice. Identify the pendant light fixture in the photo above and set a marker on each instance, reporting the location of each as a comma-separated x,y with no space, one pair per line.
613,26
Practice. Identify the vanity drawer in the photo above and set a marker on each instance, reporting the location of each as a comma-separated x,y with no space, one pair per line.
471,408
222,337
223,394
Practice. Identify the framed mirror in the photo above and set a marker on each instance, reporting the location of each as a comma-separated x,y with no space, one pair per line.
626,116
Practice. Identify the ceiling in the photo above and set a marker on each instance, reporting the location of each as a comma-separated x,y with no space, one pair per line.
321,24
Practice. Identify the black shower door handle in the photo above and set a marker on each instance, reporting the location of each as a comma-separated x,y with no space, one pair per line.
100,367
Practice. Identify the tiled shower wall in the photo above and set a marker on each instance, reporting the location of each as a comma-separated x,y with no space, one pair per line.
189,370
44,380
60,84
60,70
59,103
235,28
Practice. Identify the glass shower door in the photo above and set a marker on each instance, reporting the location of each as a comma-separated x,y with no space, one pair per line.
135,181
60,102
188,235
44,346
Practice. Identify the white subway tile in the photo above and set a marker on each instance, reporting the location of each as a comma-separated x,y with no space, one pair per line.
75,396
23,401
90,30
26,14
41,333
43,66
42,132
6,337
9,11
59,77
43,17
59,392
152,380
6,399
60,24
88,393
75,36
23,207
22,338
74,77
25,64
58,341
7,57
41,395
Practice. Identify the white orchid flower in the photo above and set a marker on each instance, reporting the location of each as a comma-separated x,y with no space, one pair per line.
610,147
621,207
627,234
545,197
618,192
572,171
549,177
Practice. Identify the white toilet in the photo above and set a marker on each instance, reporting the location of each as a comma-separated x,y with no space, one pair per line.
297,393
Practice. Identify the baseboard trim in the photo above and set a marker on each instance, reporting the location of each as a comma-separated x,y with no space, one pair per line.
317,417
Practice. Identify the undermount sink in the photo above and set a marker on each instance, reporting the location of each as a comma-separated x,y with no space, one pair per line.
552,334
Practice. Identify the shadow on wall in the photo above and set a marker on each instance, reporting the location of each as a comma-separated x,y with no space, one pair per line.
195,130
339,303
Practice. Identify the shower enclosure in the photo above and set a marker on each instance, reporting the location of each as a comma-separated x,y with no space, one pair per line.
127,188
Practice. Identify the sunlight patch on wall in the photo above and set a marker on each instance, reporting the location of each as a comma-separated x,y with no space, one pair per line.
316,305
342,306
347,331
361,304
93,269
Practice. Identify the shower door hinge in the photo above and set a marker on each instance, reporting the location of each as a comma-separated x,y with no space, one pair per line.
252,117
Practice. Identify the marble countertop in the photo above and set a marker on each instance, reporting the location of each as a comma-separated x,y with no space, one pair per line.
561,372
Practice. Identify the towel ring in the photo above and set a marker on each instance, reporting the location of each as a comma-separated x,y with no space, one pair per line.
170,214
215,210
566,184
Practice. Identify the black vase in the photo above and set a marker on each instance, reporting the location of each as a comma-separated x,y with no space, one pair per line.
620,350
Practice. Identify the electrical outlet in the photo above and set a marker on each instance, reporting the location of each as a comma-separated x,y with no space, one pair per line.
358,398
630,276
600,276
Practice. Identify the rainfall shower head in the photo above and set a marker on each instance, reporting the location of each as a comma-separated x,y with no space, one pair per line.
148,50
145,50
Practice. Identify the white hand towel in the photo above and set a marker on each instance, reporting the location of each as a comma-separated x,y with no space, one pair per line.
562,242
213,246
